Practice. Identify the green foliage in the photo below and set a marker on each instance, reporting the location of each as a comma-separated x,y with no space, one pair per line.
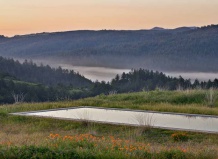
191,98
36,92
62,84
32,152
19,119
163,101
21,126
173,154
3,114
146,80
30,72
180,136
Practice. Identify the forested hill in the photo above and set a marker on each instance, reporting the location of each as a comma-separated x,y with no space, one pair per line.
2,37
137,80
30,72
181,49
27,82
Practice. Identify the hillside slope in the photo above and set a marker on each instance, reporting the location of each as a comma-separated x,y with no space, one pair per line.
181,49
30,72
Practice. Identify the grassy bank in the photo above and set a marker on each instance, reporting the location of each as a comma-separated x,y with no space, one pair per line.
26,137
192,101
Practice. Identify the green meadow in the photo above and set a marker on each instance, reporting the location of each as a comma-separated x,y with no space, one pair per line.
32,137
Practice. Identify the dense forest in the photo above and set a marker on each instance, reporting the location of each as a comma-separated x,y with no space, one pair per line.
145,80
24,82
30,72
28,82
138,80
13,90
180,49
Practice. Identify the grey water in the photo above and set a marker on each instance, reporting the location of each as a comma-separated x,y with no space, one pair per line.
189,122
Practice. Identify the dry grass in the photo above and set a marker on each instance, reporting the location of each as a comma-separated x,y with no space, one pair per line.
24,133
192,101
112,143
19,131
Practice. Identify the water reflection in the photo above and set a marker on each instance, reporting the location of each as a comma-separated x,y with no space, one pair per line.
144,120
190,116
138,118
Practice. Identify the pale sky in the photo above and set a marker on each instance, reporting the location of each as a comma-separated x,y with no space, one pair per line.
33,16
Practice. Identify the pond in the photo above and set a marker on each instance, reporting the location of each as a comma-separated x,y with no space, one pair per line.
189,122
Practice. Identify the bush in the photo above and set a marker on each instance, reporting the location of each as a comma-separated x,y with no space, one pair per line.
32,152
172,154
180,137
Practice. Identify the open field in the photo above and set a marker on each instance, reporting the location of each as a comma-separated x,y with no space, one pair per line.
189,101
25,137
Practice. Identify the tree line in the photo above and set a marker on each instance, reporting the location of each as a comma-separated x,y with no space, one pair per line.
30,72
14,91
32,83
146,80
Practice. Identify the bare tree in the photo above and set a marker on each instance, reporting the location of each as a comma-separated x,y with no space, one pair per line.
179,88
18,98
112,92
211,97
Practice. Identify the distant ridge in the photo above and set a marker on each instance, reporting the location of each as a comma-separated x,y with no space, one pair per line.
185,28
180,49
157,28
2,37
30,72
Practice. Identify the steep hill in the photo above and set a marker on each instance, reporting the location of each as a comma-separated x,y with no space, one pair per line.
13,90
30,72
181,49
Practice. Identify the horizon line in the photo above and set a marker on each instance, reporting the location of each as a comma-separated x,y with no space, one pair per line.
62,31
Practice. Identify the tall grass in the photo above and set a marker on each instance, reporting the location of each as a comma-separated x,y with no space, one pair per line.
192,101
51,138
145,123
89,146
26,137
211,97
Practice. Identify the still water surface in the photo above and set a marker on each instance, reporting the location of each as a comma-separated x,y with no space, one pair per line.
116,116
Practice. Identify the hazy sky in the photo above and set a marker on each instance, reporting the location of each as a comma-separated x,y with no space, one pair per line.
31,16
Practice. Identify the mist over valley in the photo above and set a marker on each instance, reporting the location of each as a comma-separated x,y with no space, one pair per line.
185,49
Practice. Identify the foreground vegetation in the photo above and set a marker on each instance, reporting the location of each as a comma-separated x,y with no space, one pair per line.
26,137
31,137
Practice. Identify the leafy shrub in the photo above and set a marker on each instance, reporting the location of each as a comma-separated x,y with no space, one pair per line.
188,98
32,152
180,136
172,154
3,114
